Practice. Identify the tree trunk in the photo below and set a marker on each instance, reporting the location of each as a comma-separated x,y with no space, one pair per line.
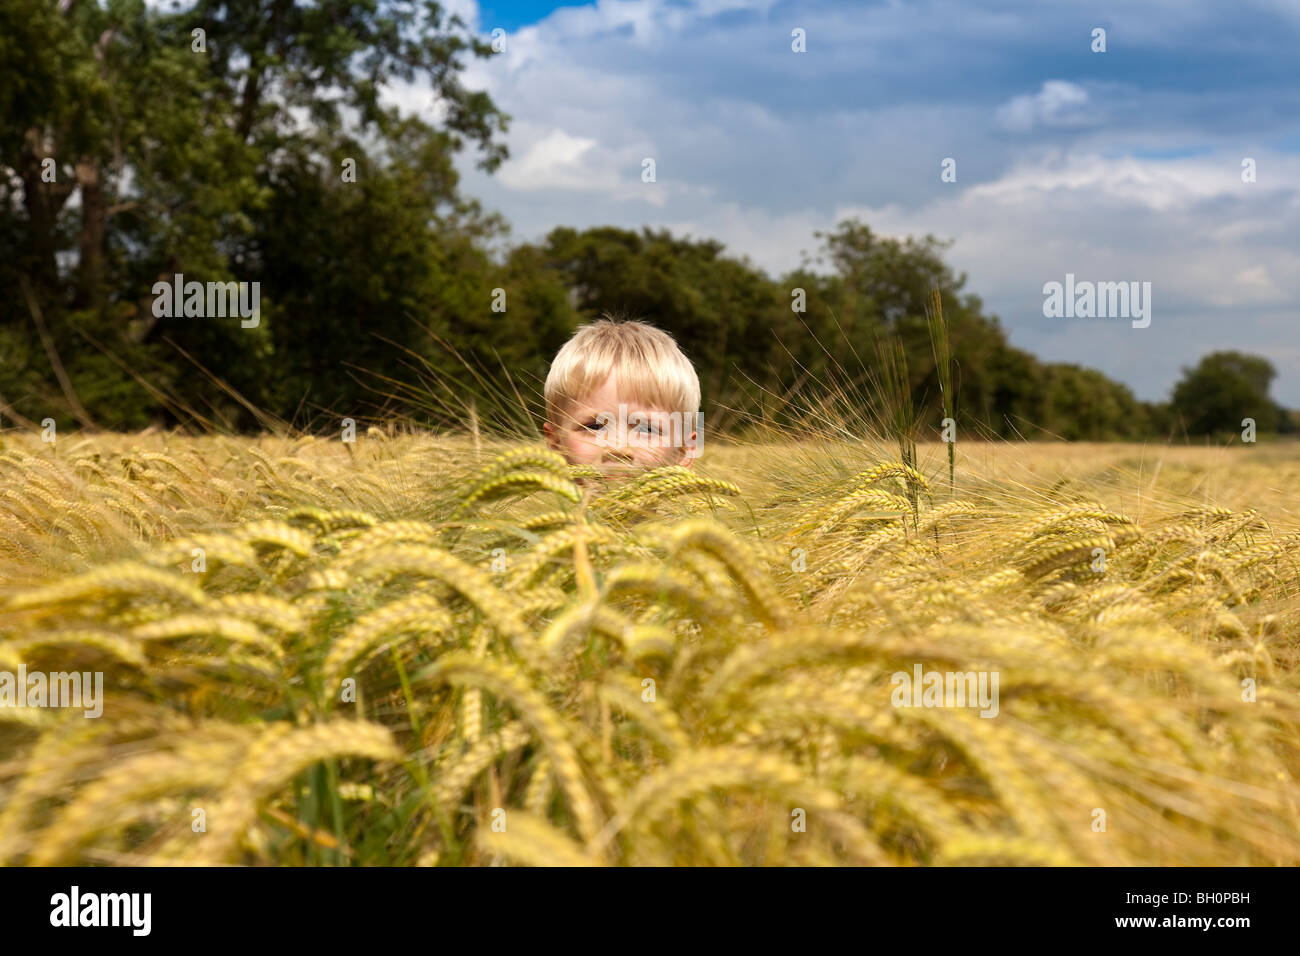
248,104
42,201
94,212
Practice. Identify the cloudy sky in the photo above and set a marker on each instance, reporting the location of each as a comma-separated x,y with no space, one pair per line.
1123,165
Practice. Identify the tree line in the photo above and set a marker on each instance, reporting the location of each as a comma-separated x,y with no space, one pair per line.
246,141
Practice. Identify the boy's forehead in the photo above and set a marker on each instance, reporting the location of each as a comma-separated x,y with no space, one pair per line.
609,395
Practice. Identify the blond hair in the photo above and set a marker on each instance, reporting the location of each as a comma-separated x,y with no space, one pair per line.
649,365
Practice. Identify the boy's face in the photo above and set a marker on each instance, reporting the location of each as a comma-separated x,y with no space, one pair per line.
590,433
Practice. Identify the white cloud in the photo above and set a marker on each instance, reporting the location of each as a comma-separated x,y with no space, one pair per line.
1252,284
557,164
1157,184
772,241
1058,103
554,161
467,10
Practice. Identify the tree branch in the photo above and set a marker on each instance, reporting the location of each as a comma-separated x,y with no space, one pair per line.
65,383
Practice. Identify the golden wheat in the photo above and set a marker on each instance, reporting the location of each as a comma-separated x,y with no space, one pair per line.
352,674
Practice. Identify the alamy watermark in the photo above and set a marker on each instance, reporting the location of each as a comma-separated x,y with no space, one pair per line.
55,689
215,300
946,689
75,908
1098,300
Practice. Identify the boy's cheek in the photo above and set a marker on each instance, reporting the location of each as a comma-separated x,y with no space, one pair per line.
581,449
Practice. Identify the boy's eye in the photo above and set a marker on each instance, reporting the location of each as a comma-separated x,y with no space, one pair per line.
643,427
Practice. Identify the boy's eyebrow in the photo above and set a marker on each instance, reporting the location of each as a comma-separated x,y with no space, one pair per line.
633,409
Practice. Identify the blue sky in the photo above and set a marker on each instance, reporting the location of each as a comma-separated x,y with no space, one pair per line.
1115,166
510,15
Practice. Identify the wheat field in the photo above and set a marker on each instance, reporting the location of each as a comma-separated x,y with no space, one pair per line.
421,650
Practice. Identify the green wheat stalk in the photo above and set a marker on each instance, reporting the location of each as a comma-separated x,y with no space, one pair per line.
943,366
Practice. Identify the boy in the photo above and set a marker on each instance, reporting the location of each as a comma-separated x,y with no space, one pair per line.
621,396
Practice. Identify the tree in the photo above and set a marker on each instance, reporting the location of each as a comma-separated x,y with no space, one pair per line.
1223,389
174,146
1081,404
